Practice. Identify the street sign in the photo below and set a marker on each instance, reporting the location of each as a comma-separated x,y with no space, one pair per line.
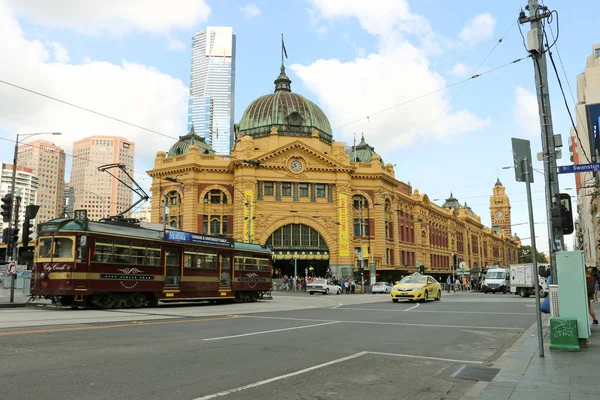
522,160
462,265
570,169
11,268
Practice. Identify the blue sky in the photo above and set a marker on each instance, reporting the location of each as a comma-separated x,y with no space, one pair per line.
351,57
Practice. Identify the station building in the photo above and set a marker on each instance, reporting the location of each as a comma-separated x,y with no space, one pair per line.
318,204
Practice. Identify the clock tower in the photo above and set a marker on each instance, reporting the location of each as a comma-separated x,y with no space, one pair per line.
500,208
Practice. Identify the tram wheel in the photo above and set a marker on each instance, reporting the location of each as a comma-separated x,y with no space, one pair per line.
138,300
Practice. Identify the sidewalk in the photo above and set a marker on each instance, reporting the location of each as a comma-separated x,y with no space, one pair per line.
559,375
20,298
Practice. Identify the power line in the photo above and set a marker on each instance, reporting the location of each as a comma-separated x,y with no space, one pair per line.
86,109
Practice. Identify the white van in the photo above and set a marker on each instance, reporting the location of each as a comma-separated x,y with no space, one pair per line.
496,280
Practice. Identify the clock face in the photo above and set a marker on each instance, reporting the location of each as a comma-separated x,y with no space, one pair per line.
296,166
499,214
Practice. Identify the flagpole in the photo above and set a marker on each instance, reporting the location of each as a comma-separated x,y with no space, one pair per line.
282,50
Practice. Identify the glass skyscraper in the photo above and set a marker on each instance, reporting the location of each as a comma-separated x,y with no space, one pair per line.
212,87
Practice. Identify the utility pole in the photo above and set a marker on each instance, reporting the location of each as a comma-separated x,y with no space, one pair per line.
535,46
360,254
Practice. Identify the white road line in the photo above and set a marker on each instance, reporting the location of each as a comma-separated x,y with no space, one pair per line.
501,328
458,371
424,357
412,308
438,311
334,307
280,377
271,331
327,364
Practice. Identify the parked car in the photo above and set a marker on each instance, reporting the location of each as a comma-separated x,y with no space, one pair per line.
323,286
381,287
416,287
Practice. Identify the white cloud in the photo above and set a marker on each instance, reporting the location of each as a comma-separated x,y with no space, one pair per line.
133,92
525,111
60,53
478,29
114,16
460,70
250,11
399,71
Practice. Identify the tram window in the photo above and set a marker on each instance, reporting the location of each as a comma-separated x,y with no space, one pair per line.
172,258
63,248
122,252
45,248
172,276
153,256
189,260
207,260
264,264
138,253
103,251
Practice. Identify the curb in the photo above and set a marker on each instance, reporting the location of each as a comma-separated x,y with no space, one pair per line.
12,305
512,364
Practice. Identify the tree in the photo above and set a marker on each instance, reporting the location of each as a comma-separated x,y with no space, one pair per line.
525,256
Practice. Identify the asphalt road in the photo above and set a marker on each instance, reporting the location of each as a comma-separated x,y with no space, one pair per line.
295,347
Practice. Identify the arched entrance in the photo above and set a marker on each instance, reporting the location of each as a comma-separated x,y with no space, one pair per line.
299,246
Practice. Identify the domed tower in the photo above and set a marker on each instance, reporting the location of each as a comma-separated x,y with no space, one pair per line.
290,113
362,152
500,208
184,142
451,202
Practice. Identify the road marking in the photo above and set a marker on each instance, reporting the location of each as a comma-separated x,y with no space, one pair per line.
424,357
458,371
338,306
271,331
438,311
502,328
134,323
323,365
412,308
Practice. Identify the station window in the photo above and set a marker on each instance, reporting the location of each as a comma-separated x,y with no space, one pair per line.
286,189
268,189
320,188
303,189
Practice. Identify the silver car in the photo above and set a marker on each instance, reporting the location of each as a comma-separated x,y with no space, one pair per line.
381,287
323,286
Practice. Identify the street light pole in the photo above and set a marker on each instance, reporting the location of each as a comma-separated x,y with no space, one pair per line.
13,214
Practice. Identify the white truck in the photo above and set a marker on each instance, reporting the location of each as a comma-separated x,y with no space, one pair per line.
522,283
496,280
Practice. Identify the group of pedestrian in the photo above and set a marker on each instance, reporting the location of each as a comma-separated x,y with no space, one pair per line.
462,284
348,285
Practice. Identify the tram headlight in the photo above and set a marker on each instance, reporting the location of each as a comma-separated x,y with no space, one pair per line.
43,275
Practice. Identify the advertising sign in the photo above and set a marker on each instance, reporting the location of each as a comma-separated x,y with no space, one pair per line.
343,220
593,114
196,238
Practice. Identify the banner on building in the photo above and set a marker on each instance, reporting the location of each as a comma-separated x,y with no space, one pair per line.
343,220
365,251
249,214
593,114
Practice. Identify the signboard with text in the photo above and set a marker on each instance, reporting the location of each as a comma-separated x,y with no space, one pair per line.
196,238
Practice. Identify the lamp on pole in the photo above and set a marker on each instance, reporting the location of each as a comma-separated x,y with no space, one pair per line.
12,214
247,204
166,198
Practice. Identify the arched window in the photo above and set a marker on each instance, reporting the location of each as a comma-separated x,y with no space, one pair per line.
215,224
296,236
359,201
215,196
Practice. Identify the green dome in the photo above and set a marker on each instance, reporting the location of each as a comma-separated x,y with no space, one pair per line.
452,203
363,152
183,144
290,113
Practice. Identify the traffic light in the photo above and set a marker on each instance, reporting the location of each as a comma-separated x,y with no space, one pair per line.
5,235
454,260
14,235
562,215
421,269
28,228
7,202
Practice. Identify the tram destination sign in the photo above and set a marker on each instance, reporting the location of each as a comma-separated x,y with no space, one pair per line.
196,238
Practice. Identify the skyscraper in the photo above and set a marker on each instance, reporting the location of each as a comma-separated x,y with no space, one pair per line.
26,186
96,191
212,87
47,161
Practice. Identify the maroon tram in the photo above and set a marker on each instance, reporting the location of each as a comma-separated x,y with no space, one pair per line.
82,263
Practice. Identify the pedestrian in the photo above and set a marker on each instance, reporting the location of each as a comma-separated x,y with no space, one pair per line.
590,283
448,283
352,287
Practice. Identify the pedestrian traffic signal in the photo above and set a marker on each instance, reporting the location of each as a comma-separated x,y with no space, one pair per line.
7,202
14,235
421,269
454,260
5,235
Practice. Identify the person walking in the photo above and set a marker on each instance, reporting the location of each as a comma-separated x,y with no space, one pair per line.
448,283
590,283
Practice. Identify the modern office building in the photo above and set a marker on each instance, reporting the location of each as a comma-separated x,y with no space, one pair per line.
47,162
26,186
585,146
212,87
96,191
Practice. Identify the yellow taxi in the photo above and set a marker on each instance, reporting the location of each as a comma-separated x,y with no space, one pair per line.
416,287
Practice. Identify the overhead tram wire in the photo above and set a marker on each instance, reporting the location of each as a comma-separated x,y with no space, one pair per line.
555,40
475,75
